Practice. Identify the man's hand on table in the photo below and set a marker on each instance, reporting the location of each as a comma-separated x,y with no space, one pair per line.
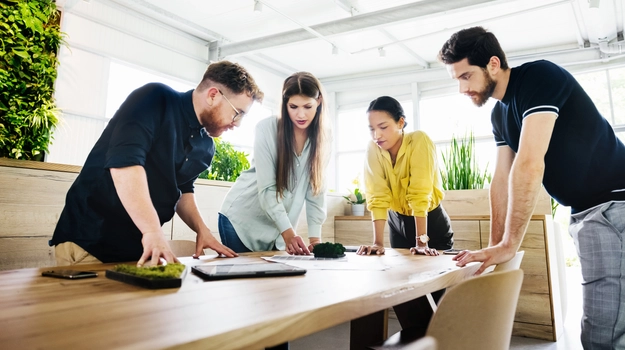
205,239
154,247
370,249
488,256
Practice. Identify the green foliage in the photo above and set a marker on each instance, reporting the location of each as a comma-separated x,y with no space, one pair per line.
173,270
29,39
355,197
328,250
461,171
360,198
227,164
554,207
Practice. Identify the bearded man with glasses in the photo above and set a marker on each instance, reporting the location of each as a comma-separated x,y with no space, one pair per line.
143,169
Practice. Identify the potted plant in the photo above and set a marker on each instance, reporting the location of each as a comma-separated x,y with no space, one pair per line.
462,179
460,169
227,163
356,199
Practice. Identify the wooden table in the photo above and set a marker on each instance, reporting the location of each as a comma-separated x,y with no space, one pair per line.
99,313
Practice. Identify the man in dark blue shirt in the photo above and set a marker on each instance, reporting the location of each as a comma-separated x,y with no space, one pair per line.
143,167
549,131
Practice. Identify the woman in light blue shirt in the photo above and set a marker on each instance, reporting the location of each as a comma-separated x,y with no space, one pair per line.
261,210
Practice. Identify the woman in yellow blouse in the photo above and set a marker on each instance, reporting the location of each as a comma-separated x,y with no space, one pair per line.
403,187
403,184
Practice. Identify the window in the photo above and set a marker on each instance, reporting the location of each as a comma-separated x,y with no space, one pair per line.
607,90
242,138
444,117
596,86
351,137
455,115
617,89
125,79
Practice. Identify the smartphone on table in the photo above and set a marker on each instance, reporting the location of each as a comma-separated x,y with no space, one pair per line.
69,274
452,251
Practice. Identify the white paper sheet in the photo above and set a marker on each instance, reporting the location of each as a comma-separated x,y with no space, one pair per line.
309,262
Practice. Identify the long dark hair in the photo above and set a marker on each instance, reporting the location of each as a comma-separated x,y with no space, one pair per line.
304,84
389,105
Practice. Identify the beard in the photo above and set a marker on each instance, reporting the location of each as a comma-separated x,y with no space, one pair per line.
208,121
479,98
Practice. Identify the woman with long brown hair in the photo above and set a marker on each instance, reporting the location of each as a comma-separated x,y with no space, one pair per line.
261,210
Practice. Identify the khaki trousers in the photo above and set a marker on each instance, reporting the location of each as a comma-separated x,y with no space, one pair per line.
70,253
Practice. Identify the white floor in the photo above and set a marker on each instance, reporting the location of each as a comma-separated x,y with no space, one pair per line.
337,338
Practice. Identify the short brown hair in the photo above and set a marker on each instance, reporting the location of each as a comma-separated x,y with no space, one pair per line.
476,44
233,77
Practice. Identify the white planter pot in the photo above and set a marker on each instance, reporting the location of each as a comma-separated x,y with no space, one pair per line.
358,209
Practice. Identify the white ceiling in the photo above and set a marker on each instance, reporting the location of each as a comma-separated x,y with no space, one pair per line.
298,35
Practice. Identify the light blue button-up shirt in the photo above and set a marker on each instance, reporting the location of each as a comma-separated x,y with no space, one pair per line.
251,204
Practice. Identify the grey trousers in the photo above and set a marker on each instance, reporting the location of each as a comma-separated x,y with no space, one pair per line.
598,233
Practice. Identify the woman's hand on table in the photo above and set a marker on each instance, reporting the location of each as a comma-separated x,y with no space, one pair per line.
313,242
370,249
296,246
425,250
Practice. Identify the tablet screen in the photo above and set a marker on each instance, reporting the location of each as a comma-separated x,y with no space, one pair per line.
246,270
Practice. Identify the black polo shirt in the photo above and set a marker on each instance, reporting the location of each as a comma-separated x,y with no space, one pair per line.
585,162
157,128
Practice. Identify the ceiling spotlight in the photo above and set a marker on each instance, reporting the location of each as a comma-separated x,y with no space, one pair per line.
258,6
382,52
335,50
594,4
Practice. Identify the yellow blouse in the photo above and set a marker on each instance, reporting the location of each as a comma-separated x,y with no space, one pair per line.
412,187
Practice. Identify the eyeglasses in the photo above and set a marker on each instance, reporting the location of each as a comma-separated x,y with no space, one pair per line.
238,115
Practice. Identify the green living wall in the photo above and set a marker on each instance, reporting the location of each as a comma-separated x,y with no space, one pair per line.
30,37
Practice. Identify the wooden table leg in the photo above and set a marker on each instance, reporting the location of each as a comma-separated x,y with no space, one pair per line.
368,330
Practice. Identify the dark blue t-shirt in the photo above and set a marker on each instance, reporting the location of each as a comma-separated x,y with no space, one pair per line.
585,162
157,128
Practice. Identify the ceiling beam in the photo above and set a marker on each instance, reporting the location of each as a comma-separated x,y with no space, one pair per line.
419,59
347,6
568,58
467,25
145,8
365,21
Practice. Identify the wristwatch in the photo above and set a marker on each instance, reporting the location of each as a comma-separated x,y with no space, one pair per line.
424,238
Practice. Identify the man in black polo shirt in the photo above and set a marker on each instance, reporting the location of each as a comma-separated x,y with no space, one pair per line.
549,131
143,167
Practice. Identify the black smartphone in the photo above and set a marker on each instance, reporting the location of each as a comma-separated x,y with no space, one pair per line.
69,274
452,251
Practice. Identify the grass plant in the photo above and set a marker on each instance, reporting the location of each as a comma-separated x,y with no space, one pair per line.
460,169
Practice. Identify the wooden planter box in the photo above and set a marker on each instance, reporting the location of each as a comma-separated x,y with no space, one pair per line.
539,311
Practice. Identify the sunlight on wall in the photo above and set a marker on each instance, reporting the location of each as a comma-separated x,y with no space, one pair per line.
124,79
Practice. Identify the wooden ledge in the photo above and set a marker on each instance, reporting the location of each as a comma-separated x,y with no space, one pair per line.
352,217
29,164
452,217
